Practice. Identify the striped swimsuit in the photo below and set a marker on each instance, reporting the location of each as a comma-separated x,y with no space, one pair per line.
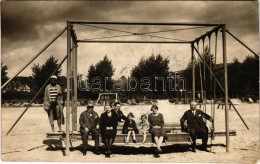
53,93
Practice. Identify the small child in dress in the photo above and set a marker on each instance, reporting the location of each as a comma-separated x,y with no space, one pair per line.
130,128
144,127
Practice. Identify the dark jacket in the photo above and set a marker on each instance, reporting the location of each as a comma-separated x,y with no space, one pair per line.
106,121
194,122
120,115
86,120
130,124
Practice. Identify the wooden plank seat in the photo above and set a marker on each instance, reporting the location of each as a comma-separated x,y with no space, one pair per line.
174,135
222,104
120,138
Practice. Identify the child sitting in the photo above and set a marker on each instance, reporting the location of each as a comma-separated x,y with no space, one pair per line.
144,126
130,128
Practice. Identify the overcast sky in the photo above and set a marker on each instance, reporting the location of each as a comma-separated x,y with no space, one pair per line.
28,26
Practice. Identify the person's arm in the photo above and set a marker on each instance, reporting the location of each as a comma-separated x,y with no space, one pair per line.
206,116
60,96
150,121
96,120
146,127
115,120
135,128
101,122
82,121
46,99
140,125
182,120
162,121
123,116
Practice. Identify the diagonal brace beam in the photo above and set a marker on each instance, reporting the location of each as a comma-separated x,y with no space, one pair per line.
242,43
37,94
38,54
221,87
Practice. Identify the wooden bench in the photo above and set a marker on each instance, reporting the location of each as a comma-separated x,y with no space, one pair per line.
174,135
222,104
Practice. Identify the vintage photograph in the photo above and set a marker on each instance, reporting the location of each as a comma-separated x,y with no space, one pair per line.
130,81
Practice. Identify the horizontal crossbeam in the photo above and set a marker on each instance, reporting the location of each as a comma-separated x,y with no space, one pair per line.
129,41
147,23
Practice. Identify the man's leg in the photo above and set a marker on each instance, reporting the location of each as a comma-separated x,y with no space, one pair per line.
51,119
203,133
95,135
193,138
84,138
58,114
205,138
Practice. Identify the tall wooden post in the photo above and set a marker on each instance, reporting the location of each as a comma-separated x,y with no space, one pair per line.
193,71
68,87
72,87
226,86
74,121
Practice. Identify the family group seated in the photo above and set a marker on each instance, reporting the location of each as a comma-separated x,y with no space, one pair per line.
107,124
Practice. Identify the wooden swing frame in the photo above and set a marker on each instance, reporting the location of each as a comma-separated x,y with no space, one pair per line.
72,44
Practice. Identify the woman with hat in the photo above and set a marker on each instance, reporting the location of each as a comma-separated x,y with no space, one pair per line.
108,127
156,122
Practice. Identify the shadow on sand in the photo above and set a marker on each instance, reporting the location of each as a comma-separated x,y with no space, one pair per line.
54,145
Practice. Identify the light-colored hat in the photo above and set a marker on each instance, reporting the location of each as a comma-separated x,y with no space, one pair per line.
90,103
53,77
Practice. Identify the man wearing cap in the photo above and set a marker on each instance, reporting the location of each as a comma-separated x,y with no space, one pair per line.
196,126
53,103
89,123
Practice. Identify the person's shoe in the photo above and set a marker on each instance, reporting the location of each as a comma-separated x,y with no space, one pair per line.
156,155
193,147
108,153
134,141
97,151
204,148
84,152
159,150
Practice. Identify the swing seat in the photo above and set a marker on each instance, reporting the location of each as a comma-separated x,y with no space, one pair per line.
174,135
222,104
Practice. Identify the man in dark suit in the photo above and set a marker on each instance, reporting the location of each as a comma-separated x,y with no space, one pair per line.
195,125
89,123
119,113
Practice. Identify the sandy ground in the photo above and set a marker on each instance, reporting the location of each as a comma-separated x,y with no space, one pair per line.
28,142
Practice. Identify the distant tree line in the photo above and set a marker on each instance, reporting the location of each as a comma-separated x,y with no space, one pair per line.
242,76
242,79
